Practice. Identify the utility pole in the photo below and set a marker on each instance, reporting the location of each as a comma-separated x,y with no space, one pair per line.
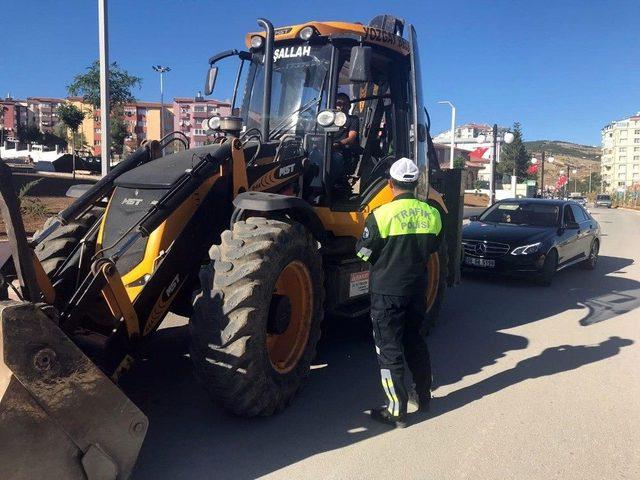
492,187
105,130
542,174
161,70
452,148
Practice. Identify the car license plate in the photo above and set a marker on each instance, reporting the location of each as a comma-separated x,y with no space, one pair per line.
480,262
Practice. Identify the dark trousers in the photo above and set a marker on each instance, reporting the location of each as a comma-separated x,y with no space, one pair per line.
399,335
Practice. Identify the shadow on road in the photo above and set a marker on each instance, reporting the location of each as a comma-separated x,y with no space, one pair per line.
189,437
553,360
470,336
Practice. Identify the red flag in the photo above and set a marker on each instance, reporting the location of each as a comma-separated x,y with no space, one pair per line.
533,169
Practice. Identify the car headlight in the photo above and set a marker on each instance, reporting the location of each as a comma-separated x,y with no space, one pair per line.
527,249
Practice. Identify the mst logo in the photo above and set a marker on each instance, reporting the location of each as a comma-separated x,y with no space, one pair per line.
286,170
132,202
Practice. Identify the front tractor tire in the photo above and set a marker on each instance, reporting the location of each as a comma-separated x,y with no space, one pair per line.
256,323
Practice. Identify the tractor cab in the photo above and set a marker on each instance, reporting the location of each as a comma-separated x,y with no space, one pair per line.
295,77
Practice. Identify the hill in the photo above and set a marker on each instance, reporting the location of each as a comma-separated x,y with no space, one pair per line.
560,148
584,158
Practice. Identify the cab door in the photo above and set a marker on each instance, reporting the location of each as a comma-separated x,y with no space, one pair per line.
418,125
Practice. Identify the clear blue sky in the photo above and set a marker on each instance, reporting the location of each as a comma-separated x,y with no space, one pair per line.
562,68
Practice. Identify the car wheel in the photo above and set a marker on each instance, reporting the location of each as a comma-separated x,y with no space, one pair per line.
592,260
545,277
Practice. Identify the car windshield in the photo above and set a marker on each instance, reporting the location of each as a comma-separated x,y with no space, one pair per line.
603,197
300,75
534,214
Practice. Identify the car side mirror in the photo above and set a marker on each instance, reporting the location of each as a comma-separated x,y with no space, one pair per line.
210,82
572,226
360,64
474,218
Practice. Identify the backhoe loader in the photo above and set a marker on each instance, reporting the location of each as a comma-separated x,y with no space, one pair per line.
252,237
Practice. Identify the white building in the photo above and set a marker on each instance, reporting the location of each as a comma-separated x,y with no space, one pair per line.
620,167
475,137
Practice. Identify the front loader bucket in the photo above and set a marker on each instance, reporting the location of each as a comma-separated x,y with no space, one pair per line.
60,416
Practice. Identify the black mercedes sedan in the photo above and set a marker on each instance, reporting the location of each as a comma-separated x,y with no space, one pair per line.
531,237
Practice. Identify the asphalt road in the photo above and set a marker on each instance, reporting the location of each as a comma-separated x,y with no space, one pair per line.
532,383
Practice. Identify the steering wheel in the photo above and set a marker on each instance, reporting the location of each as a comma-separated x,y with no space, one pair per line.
380,165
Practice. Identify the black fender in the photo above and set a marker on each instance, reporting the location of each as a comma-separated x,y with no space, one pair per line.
296,208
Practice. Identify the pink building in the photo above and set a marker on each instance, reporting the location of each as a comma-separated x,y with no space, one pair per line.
188,114
13,114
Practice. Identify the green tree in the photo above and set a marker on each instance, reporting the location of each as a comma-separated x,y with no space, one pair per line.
72,117
119,131
459,162
29,134
121,82
514,157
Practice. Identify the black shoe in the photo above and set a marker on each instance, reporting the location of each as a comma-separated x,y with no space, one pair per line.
421,402
382,415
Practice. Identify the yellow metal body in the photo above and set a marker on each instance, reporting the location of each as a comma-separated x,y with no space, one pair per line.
369,35
160,239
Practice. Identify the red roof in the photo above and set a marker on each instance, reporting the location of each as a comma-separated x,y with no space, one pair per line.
477,155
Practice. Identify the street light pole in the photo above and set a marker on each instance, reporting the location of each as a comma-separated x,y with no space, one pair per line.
493,164
452,148
103,36
161,70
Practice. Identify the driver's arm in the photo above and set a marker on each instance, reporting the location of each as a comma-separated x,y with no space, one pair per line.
352,135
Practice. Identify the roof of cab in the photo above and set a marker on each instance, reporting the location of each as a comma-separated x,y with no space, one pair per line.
370,35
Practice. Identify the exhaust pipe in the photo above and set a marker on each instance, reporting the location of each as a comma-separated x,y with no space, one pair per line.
268,70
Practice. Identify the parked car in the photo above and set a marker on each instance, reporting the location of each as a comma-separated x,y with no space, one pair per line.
531,237
580,200
602,201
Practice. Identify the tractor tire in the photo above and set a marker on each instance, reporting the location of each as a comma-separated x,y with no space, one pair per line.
54,249
257,321
438,267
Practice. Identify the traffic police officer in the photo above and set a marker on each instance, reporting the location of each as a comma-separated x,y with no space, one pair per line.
397,241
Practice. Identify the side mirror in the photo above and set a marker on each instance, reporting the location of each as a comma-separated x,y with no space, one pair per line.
210,82
360,64
572,226
474,218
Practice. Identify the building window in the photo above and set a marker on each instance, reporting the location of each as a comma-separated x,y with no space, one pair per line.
636,158
636,140
199,144
622,159
142,123
622,176
622,149
97,130
636,132
621,184
198,108
97,143
198,131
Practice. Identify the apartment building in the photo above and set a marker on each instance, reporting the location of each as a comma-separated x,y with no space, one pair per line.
13,114
44,111
142,120
188,114
620,166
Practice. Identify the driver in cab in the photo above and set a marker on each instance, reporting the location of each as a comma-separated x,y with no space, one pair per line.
342,156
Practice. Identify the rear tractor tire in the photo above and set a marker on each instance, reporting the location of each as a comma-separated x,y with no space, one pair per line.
437,269
256,323
54,249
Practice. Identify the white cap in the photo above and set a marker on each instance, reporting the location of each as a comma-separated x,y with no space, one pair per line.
404,170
